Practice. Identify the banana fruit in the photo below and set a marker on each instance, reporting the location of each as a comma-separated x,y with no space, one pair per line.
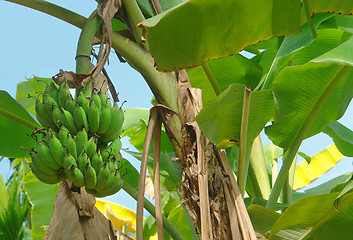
79,140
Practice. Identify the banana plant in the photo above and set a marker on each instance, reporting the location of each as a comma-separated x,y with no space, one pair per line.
299,80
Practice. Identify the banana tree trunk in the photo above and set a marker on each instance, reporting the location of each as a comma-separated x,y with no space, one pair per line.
209,190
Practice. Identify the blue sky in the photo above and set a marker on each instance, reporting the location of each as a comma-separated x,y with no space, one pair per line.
34,43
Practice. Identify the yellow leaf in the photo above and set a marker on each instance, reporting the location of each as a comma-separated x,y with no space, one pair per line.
120,216
320,163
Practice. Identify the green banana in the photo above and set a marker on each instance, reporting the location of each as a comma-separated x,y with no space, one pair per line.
76,176
56,149
70,145
97,100
116,123
103,177
97,161
56,115
90,177
113,165
40,164
68,121
46,178
83,101
81,140
64,94
62,135
113,149
44,153
91,146
80,117
70,106
84,90
43,116
82,161
52,91
93,117
114,184
104,99
68,161
105,119
47,98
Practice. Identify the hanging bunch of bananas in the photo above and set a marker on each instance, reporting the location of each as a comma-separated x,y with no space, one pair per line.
80,140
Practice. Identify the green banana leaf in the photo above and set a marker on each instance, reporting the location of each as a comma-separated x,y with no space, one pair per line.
324,188
132,117
137,138
15,209
344,22
178,219
262,218
197,31
220,120
16,122
194,32
148,10
43,204
28,91
342,136
337,6
312,95
315,217
290,45
327,39
233,69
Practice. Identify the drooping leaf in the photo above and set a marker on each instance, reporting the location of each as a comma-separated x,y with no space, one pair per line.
315,217
325,91
198,31
16,122
43,204
220,119
342,136
120,216
262,218
320,163
233,69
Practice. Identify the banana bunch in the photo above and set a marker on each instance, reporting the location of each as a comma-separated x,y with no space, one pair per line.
74,143
92,112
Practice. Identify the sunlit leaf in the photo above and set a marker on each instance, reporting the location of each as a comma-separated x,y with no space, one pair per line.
320,163
119,215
